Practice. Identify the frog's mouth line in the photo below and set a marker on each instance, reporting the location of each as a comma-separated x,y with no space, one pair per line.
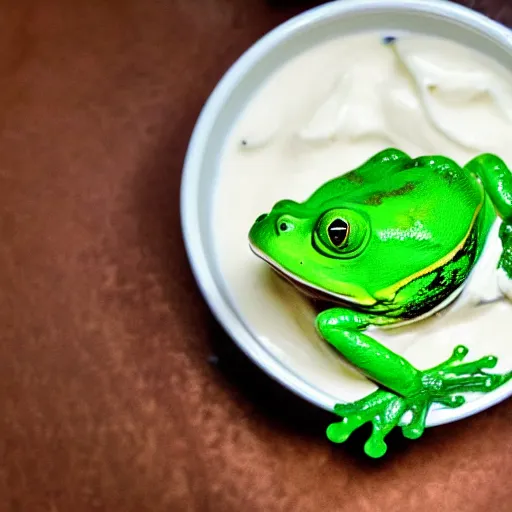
300,284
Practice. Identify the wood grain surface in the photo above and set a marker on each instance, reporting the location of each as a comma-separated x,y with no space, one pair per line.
118,392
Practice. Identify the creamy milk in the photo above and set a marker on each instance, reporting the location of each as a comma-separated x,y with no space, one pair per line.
324,113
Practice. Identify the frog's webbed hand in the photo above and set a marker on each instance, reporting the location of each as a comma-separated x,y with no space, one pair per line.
408,390
497,181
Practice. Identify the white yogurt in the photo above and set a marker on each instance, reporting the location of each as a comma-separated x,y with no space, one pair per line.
321,115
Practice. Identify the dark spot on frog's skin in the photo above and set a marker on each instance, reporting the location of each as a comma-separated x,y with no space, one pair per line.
377,198
243,142
354,177
438,282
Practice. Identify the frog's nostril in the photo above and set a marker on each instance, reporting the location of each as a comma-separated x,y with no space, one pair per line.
263,216
284,225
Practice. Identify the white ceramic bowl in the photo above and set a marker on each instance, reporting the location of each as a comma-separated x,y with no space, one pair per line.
439,18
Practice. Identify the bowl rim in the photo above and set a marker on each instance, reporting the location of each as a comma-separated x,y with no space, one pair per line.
201,270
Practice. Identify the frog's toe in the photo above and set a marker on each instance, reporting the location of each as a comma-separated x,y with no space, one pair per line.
375,447
494,380
452,401
458,355
413,431
384,410
470,368
339,432
455,364
416,426
445,381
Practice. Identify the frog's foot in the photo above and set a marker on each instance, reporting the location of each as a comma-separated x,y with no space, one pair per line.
385,411
407,393
441,384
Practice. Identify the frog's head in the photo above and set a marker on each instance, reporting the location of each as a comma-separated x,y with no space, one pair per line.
316,248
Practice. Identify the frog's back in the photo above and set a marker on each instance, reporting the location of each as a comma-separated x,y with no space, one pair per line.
433,193
440,174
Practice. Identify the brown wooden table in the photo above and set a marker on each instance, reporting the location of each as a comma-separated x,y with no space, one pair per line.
118,391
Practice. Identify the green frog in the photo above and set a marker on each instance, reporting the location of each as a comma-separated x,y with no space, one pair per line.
388,243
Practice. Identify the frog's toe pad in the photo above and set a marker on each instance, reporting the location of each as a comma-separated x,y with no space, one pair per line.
412,432
375,447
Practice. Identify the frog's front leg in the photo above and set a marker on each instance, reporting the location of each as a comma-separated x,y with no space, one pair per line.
408,390
497,181
505,263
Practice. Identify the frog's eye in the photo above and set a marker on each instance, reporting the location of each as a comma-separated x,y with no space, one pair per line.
338,231
341,233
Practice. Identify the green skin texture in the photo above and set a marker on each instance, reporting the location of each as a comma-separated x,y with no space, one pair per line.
416,228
